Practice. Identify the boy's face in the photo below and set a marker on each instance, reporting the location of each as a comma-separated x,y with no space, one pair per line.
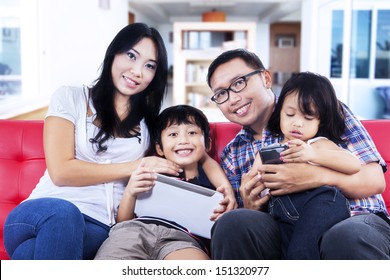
293,123
183,144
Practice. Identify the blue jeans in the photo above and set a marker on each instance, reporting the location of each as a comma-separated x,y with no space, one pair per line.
51,228
244,234
304,217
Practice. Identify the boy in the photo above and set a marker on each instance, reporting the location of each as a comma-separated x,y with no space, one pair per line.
182,136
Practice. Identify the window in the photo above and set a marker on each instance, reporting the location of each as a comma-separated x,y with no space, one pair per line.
10,62
337,44
361,42
382,59
19,57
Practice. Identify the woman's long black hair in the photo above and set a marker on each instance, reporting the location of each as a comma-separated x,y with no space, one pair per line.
317,90
146,104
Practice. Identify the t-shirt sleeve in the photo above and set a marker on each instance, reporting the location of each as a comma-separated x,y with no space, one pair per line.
65,103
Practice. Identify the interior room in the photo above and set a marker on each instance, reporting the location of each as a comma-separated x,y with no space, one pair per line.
84,168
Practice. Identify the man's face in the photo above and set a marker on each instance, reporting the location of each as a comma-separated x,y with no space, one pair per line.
253,105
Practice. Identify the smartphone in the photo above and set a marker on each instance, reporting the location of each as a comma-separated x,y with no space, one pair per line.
271,154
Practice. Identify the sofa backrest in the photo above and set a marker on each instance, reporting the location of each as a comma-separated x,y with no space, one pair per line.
22,163
379,131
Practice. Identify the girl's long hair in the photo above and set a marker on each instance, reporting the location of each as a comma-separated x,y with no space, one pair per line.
317,90
146,104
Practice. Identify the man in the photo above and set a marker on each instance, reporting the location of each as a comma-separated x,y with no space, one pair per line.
242,90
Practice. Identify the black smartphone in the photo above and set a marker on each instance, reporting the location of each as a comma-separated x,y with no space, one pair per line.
271,154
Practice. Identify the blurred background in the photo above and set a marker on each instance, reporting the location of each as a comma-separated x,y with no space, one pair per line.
48,43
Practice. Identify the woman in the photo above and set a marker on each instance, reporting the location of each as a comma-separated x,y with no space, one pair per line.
94,138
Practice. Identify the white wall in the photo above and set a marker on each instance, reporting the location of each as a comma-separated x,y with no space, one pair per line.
74,36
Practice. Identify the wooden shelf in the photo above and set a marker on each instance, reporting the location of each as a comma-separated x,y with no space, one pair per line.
192,59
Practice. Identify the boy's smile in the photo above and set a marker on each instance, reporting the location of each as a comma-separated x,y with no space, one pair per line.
183,144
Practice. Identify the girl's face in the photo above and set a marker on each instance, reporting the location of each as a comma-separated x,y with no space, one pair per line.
134,70
183,144
293,123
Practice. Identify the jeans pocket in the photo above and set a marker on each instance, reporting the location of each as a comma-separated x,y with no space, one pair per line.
283,208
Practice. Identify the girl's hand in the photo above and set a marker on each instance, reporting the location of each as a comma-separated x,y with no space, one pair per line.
142,180
298,151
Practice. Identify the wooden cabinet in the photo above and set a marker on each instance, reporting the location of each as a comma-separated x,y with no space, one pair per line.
196,45
285,46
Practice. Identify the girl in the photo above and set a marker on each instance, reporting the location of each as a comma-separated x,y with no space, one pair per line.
310,120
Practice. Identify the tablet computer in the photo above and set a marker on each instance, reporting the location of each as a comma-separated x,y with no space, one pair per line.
184,203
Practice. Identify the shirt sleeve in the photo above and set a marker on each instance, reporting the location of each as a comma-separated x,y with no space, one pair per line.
65,103
359,142
232,169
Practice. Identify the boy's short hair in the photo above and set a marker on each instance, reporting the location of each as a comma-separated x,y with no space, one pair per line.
182,114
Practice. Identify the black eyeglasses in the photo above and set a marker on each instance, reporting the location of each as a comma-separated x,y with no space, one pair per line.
238,85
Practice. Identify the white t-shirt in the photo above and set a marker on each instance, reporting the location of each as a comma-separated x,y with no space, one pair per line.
97,201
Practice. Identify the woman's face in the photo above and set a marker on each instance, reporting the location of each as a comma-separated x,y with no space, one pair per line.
133,71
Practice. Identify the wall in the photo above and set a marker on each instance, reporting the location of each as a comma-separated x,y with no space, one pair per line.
73,37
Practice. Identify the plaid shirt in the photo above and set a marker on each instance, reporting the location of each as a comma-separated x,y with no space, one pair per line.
238,156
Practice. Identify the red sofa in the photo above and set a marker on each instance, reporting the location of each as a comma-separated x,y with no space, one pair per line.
22,159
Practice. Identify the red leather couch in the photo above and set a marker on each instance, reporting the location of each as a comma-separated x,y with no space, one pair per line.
22,159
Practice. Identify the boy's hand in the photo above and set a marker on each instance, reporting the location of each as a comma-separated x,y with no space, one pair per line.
228,202
142,180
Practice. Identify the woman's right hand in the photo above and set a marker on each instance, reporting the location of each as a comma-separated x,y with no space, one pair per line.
161,165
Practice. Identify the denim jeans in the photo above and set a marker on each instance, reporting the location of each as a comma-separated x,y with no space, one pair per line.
51,228
361,237
244,234
304,217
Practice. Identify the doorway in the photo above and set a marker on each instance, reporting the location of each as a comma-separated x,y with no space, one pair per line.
285,45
